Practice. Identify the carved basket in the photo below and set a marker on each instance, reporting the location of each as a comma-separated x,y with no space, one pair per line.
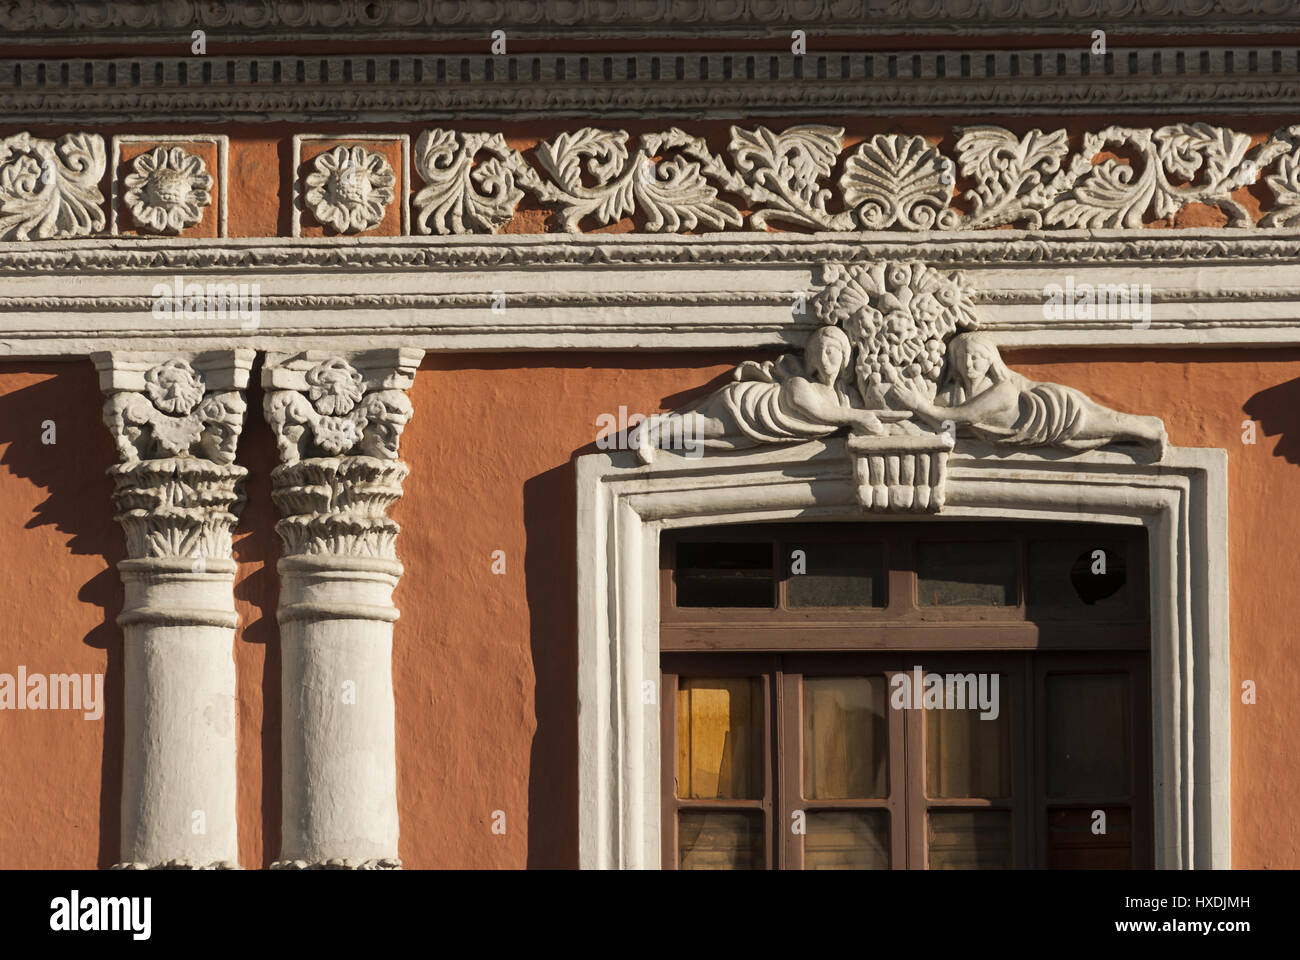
900,473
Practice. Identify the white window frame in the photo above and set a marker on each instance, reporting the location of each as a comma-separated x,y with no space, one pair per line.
623,507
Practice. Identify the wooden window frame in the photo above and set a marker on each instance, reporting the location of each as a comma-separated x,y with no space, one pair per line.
748,653
902,624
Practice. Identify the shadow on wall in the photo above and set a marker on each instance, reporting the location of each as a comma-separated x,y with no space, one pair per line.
78,505
550,566
1275,410
550,509
256,548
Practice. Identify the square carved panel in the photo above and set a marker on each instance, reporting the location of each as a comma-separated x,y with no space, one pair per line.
173,186
348,186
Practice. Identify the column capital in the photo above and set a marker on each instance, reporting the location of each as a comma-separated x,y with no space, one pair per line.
325,404
176,419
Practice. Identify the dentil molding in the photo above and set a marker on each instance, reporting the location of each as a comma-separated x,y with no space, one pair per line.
478,85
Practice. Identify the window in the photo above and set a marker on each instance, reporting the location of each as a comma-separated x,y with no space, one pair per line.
939,696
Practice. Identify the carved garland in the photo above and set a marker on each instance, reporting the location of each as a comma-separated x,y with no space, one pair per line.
673,180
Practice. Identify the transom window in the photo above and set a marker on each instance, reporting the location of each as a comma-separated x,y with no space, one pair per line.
941,696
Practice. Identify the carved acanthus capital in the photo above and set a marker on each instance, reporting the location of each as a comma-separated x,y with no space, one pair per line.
176,419
338,421
178,508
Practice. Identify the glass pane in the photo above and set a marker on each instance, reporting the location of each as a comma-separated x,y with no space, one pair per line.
969,839
966,574
1078,574
1087,735
845,738
720,738
717,840
847,840
835,575
724,575
968,740
1075,840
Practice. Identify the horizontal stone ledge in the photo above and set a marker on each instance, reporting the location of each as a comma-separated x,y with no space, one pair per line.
179,864
173,617
1221,287
253,258
179,568
329,566
336,611
339,863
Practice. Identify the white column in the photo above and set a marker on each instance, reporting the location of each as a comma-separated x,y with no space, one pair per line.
338,420
176,419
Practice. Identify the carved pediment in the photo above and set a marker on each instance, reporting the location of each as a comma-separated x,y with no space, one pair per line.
900,364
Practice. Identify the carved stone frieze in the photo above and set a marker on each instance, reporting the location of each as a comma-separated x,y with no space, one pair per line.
898,362
671,193
673,181
463,196
50,188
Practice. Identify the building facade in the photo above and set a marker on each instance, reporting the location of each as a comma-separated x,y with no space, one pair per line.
615,434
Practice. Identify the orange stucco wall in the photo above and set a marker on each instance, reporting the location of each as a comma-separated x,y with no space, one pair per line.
485,665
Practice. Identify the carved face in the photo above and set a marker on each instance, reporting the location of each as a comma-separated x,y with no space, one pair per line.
224,437
334,388
387,413
977,366
174,387
827,354
223,418
974,360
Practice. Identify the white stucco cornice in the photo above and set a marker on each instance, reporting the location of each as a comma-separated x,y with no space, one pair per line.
70,298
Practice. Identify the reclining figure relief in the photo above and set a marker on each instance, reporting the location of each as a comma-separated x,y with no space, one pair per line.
777,401
1001,406
896,356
